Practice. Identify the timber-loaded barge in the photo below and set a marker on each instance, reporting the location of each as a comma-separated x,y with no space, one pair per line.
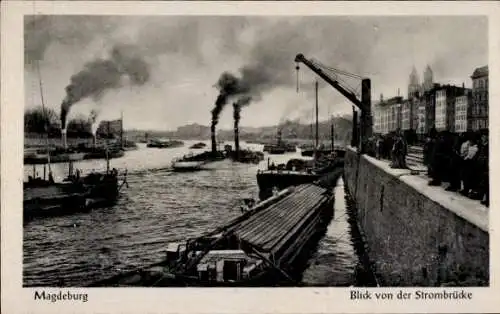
261,246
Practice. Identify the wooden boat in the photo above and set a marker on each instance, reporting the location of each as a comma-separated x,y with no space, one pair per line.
247,156
258,248
277,150
198,145
186,166
307,152
165,144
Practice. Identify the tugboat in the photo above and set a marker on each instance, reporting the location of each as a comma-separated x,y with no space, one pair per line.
259,248
192,162
280,147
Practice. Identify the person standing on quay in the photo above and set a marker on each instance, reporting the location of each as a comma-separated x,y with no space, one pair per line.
470,167
483,167
455,162
399,152
436,158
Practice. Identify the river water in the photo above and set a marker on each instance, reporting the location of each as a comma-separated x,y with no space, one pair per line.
162,206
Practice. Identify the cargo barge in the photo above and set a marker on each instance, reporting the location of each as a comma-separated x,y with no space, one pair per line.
298,171
258,248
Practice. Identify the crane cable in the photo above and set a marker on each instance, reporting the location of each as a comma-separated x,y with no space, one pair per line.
336,72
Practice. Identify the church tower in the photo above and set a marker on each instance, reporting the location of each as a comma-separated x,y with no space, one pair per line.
428,79
413,84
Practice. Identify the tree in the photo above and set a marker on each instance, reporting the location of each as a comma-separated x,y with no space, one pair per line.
37,120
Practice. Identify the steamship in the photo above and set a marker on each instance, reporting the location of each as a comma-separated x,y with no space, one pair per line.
280,147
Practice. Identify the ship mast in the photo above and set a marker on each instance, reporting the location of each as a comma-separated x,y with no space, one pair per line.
317,128
45,127
121,130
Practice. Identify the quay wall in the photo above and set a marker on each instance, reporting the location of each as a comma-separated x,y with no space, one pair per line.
415,234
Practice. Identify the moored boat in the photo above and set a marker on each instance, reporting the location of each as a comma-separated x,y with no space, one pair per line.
258,248
165,143
198,145
44,198
181,166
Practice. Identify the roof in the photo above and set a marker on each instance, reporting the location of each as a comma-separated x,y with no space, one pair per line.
480,72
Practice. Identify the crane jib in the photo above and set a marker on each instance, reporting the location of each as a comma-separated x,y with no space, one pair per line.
349,95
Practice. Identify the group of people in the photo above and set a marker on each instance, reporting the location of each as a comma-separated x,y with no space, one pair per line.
392,146
460,160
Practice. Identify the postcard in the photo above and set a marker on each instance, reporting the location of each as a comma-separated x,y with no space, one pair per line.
249,157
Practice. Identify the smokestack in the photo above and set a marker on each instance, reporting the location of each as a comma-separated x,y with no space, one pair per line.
236,140
64,139
94,140
214,142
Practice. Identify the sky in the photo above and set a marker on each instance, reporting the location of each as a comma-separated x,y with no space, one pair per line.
162,71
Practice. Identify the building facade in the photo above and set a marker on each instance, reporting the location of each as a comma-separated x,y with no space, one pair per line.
407,115
479,109
388,115
430,105
462,112
445,107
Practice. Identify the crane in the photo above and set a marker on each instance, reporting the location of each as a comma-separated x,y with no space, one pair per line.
363,104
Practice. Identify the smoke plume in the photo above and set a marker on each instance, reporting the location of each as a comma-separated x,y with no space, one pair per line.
253,80
100,75
237,106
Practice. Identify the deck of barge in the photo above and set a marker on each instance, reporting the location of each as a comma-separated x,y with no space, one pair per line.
268,229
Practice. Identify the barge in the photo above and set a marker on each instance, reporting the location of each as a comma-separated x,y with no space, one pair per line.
165,144
60,198
258,248
298,171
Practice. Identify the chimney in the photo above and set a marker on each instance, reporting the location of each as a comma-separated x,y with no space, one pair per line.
63,138
94,140
214,142
236,140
